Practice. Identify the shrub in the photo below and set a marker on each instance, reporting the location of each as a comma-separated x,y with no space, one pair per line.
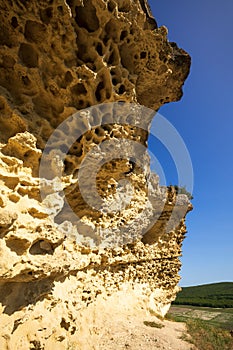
207,337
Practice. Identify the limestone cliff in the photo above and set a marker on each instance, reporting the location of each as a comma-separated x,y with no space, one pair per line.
57,58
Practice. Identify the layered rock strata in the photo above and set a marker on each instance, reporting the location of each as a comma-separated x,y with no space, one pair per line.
57,58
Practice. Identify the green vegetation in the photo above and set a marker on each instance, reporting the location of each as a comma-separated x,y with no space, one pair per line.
203,331
218,295
208,337
207,311
222,318
182,190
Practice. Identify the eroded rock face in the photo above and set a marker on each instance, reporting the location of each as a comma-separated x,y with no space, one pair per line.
57,58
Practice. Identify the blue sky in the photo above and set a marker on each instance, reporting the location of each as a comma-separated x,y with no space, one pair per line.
204,118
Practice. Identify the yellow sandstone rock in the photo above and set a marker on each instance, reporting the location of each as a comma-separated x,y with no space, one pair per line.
58,57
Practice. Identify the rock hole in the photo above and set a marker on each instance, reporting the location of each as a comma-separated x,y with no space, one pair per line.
111,59
173,45
17,245
96,140
73,330
35,345
14,198
143,54
99,49
64,324
124,6
79,151
64,38
28,55
26,81
69,3
46,15
105,39
60,9
2,103
108,95
35,31
121,89
124,34
86,16
80,103
68,77
100,87
79,138
88,136
111,30
91,66
107,128
41,247
14,22
27,154
111,6
114,81
76,150
11,182
99,131
79,89
81,53
68,167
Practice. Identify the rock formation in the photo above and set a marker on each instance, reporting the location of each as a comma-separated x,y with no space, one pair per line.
57,58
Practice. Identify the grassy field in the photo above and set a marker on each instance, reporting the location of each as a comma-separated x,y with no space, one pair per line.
222,318
213,295
208,328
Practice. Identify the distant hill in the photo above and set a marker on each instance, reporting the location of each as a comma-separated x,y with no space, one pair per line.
212,295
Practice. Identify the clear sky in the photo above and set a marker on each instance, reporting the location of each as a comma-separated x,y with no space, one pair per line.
204,118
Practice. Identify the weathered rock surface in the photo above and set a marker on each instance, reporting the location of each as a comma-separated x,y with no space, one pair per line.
56,58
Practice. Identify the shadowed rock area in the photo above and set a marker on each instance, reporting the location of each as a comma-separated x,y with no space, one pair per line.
58,58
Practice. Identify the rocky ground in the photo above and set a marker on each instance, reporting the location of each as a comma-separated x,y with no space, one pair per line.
131,333
125,323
